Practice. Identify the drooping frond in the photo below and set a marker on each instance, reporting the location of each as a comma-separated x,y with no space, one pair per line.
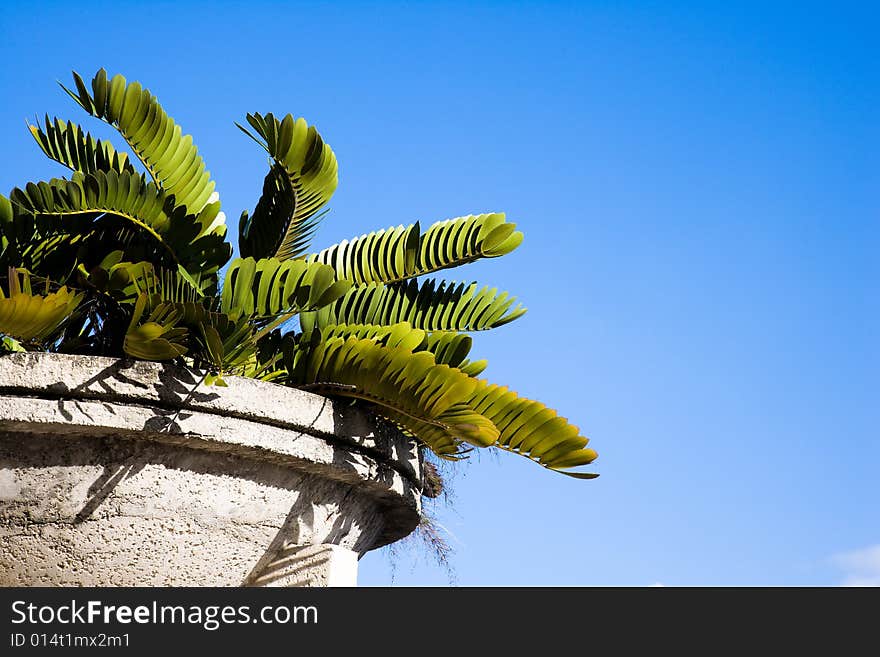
29,316
171,159
523,426
426,305
301,179
272,287
531,429
142,205
397,254
374,363
68,144
408,387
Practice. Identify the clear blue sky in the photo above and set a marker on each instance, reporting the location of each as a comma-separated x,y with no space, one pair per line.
698,185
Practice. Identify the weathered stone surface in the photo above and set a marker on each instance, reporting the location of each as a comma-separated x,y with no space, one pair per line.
126,473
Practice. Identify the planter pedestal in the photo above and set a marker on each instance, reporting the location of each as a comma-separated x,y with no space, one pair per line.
126,473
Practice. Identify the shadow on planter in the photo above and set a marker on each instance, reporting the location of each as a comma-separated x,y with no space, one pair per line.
115,473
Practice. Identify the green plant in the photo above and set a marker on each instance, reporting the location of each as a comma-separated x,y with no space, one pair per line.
114,261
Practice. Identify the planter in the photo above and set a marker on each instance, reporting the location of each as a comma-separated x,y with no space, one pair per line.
124,473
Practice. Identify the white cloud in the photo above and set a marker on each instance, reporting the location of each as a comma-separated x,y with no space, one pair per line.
860,567
657,584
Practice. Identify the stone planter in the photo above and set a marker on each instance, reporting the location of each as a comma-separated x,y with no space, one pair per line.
123,473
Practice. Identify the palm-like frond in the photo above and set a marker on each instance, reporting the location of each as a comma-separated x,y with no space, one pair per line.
270,287
397,254
408,387
301,180
171,159
68,144
427,305
531,429
398,335
435,402
448,348
141,204
33,317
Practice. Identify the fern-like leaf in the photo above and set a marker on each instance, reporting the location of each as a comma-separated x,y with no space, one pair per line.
408,387
448,348
397,254
531,429
171,159
142,205
68,144
301,179
427,305
270,287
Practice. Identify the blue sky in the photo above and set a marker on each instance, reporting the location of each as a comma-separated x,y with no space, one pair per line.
698,186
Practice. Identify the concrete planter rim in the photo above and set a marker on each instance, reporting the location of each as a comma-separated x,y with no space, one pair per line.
50,395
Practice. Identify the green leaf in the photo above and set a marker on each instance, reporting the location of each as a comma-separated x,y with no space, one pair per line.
397,254
531,429
157,338
11,345
408,387
426,305
230,343
100,197
169,157
126,281
473,368
301,179
33,317
398,335
271,287
68,144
